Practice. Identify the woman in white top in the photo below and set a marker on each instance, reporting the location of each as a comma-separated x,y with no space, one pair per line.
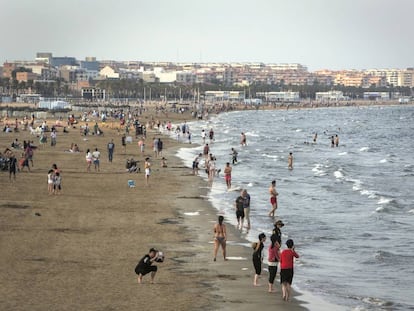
88,160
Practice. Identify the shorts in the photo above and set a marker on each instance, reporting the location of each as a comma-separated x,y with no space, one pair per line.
286,276
145,270
147,172
273,200
96,161
240,214
227,177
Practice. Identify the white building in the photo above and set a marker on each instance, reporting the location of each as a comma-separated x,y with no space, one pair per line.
330,96
109,73
224,95
279,96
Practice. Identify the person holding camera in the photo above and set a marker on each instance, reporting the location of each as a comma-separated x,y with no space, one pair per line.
145,265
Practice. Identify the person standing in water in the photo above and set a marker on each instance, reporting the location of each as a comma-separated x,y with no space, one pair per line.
336,140
273,198
220,237
315,137
290,161
243,139
227,175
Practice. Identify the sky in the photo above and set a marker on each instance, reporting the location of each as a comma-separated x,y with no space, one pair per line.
320,34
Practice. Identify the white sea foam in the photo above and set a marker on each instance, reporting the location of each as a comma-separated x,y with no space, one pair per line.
299,130
363,149
370,194
343,153
236,258
192,213
383,161
318,170
338,175
357,185
384,200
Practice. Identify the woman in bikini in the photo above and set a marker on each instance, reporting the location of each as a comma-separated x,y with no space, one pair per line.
220,237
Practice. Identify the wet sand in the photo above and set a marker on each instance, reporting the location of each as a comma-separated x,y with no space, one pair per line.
78,250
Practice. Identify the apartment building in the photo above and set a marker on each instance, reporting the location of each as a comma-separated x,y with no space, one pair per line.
26,76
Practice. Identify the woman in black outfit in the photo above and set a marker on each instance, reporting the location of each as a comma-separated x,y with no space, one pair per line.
258,258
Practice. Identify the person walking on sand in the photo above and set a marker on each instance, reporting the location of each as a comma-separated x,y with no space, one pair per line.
145,265
258,258
286,268
220,237
147,167
12,166
273,260
273,198
57,183
227,175
111,148
123,142
290,161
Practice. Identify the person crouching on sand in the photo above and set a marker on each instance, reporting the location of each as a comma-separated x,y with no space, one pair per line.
286,268
145,265
220,237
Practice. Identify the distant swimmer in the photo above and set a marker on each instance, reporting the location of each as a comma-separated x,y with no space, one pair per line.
290,161
273,198
315,137
243,139
332,141
336,140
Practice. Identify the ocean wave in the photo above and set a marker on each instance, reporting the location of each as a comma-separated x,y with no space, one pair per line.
338,175
383,161
369,193
364,149
343,153
252,134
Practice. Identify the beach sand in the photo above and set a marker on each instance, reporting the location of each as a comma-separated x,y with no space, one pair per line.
78,250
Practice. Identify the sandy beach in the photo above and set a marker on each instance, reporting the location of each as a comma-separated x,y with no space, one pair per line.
78,250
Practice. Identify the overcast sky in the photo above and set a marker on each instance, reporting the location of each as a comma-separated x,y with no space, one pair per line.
331,34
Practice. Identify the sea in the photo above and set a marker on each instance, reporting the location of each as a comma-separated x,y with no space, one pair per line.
349,209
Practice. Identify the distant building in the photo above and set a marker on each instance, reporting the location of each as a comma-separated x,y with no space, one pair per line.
93,94
224,95
109,73
288,96
377,95
63,61
25,76
186,77
330,96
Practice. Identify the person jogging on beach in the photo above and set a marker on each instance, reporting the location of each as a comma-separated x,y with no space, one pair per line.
220,237
286,268
273,198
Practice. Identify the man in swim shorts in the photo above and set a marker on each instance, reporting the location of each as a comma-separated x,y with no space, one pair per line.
273,198
239,205
227,175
